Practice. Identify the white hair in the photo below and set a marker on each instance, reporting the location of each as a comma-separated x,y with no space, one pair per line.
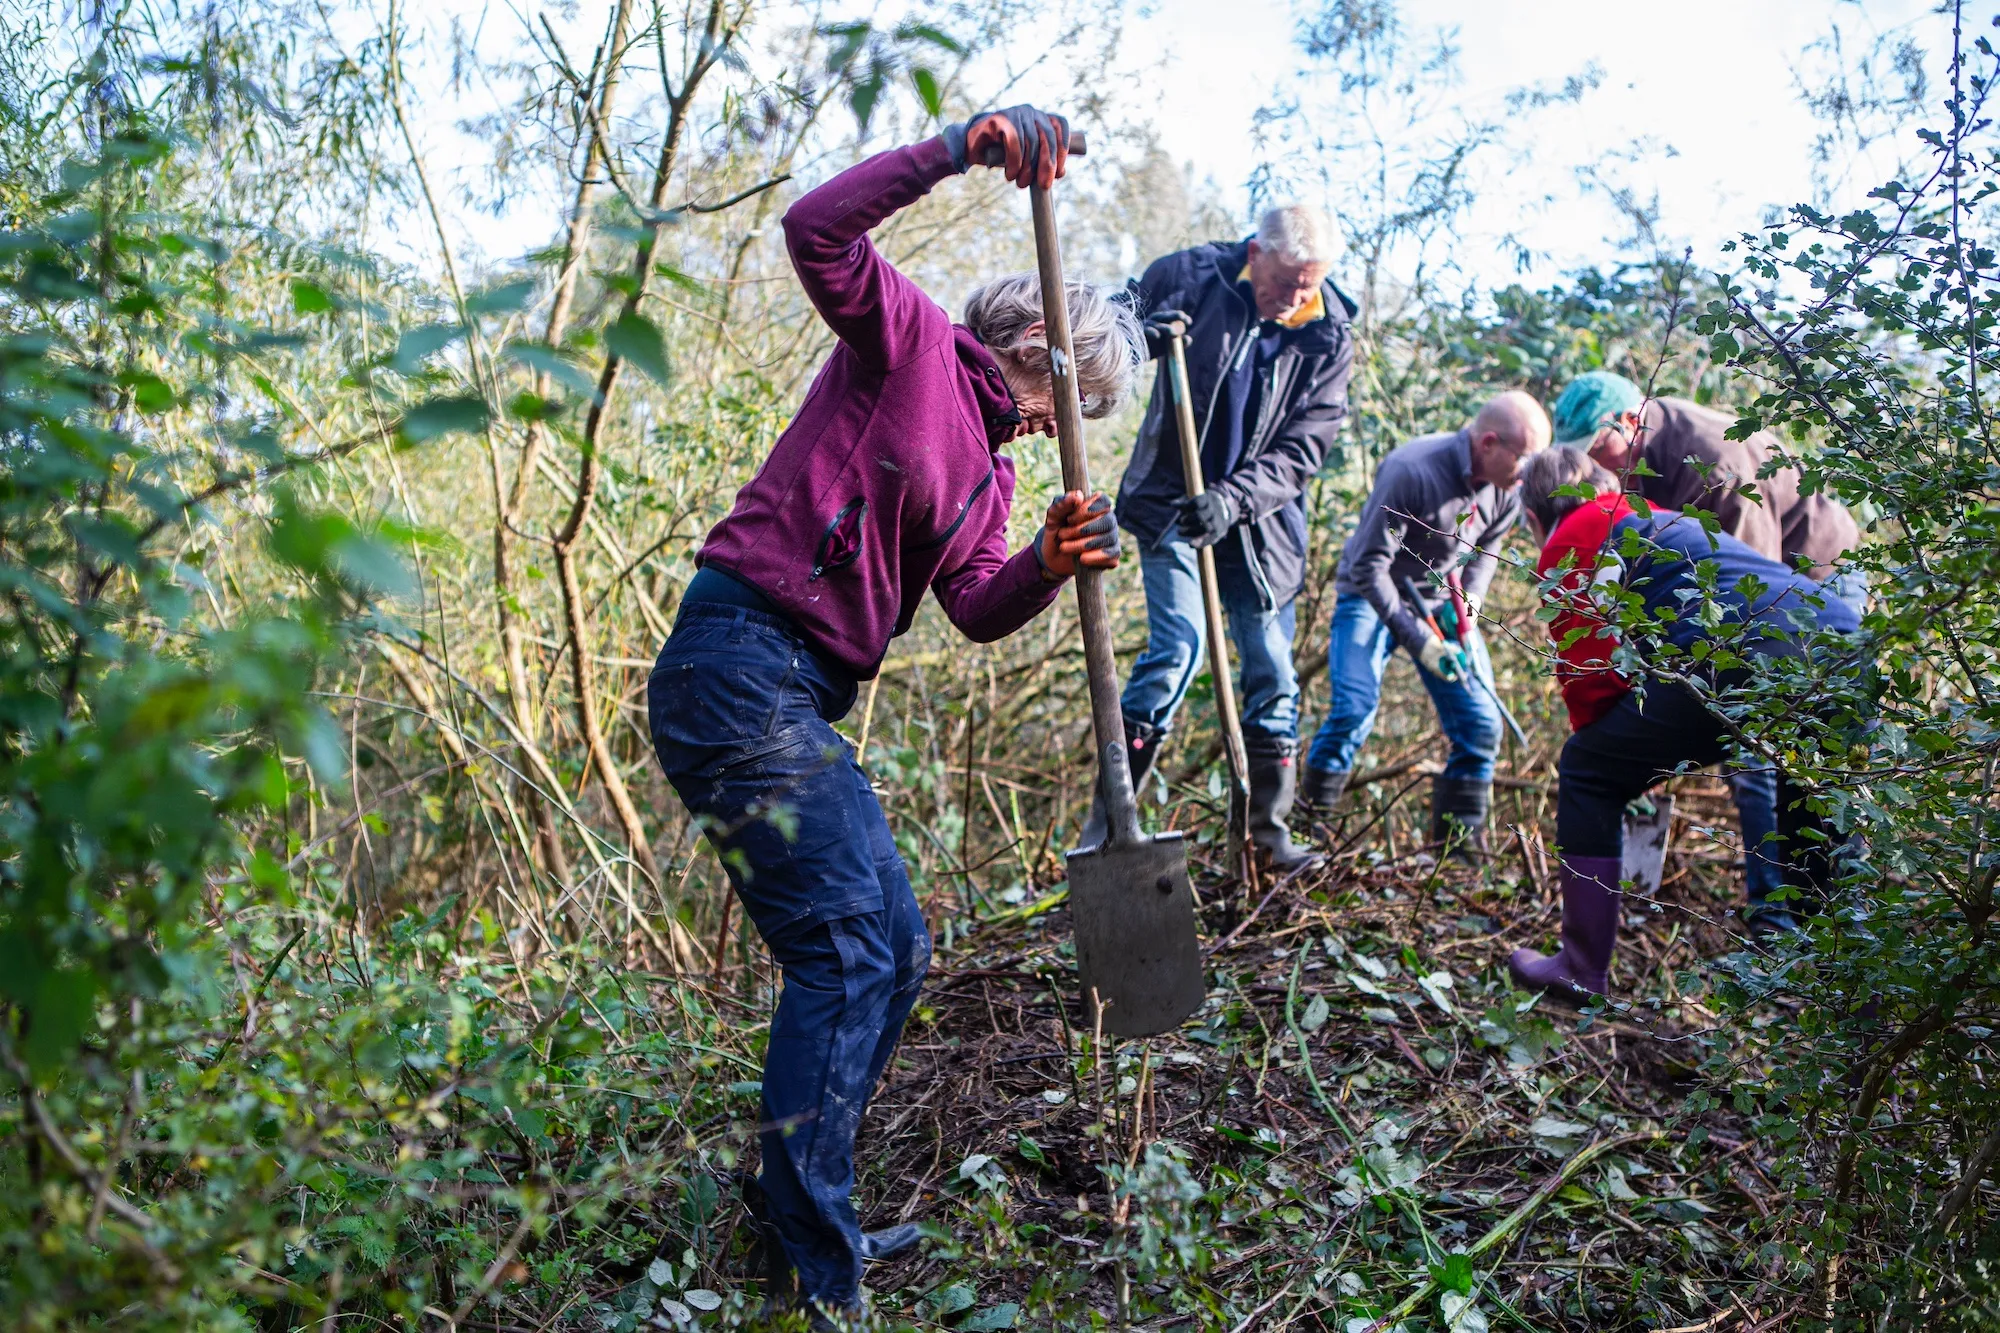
1298,234
1104,334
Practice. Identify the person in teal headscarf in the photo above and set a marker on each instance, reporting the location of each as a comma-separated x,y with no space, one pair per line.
1691,463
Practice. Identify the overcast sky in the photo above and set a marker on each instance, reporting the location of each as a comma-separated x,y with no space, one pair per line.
1703,90
1698,104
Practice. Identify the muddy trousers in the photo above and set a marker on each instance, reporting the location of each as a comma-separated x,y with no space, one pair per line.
742,711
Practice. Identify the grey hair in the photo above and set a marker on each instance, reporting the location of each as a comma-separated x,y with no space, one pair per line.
1549,471
1298,234
1104,334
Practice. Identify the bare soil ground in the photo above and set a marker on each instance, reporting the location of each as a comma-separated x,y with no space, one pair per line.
1365,1126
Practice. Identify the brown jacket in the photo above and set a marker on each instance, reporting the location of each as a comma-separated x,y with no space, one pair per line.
1783,526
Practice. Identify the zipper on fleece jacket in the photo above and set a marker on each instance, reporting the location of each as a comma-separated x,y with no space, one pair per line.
1266,596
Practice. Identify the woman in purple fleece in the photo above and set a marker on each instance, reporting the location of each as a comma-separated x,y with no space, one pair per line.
887,483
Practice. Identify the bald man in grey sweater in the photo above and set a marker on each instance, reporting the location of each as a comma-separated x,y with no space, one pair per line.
1436,517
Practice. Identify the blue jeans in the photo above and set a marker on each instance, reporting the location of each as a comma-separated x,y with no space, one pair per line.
742,711
1756,791
1177,645
1357,652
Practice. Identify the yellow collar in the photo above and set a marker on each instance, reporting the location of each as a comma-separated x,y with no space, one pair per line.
1308,310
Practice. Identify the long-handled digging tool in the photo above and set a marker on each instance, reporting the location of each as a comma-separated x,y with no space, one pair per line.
1130,904
1228,718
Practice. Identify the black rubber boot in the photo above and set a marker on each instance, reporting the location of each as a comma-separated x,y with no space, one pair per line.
1458,816
781,1282
1143,742
1274,775
1321,790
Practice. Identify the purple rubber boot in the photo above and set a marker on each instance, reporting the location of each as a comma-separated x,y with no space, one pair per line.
1591,902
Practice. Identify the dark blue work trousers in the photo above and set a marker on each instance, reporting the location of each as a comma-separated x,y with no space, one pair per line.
742,712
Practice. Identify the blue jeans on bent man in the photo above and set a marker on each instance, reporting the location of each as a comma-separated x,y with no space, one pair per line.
1177,644
742,711
1357,653
1756,789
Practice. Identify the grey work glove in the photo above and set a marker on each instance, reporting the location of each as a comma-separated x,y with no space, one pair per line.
1205,519
1161,327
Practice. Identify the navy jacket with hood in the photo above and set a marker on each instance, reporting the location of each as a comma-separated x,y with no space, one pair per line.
1300,403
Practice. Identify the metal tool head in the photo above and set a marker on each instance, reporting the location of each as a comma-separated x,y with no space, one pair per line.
1644,862
1132,912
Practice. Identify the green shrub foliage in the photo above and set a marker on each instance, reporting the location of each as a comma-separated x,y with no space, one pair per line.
1869,336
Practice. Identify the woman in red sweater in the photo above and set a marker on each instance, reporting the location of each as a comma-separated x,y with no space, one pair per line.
1601,553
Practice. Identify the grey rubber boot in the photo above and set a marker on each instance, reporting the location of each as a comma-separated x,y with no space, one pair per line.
1458,815
1322,788
889,1242
1591,902
1274,775
1142,746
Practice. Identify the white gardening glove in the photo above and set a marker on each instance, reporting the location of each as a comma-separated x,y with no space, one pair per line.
1443,660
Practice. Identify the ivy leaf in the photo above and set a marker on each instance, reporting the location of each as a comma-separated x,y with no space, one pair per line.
1454,1274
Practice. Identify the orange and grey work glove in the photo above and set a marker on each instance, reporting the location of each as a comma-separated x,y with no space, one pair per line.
1079,532
1031,147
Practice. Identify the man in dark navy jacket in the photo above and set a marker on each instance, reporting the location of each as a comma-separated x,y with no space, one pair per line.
1269,352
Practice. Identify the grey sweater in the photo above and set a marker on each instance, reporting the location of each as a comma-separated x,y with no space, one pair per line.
1425,515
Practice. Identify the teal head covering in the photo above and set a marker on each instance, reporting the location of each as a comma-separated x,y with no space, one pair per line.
1589,401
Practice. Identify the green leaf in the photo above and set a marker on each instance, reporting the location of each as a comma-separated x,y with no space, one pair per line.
443,416
61,1012
369,564
150,393
991,1318
546,360
309,298
1454,1274
950,1300
502,300
924,32
928,91
638,340
418,345
865,94
526,406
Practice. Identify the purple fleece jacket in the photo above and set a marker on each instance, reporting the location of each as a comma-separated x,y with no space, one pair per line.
889,479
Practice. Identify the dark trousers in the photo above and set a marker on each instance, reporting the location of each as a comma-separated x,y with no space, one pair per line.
1639,744
742,713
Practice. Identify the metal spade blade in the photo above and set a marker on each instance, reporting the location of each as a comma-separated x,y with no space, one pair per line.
1136,946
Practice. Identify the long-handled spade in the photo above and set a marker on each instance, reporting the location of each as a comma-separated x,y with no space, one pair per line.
1130,904
1211,601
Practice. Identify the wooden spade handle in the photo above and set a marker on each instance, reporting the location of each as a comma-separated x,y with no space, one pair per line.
1121,806
996,156
1211,595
